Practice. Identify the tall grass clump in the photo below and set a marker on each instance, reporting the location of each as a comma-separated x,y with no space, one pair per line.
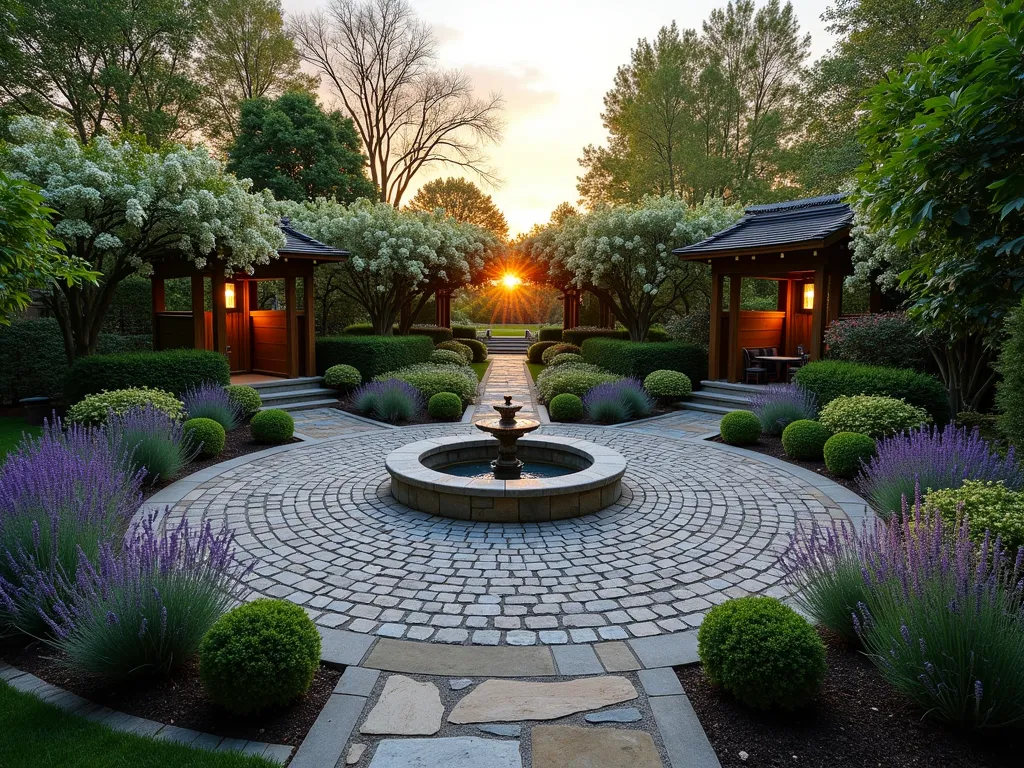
61,495
152,441
392,400
212,401
617,401
144,606
779,405
933,459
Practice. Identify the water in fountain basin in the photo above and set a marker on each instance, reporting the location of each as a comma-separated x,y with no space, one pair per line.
534,470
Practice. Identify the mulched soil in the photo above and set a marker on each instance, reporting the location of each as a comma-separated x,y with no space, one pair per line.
858,721
178,700
772,446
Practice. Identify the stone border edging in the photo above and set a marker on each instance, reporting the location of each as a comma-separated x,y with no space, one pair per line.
73,704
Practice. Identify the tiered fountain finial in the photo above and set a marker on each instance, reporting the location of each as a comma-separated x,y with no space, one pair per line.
508,429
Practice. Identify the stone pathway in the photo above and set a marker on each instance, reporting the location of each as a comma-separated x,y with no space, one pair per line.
320,423
684,424
507,375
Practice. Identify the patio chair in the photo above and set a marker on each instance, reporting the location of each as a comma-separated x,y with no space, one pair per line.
804,359
753,368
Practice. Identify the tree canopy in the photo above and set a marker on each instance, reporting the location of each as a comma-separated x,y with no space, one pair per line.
291,147
463,201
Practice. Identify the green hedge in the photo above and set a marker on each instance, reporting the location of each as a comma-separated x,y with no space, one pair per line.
358,329
174,370
464,331
640,359
578,335
550,333
436,333
372,355
829,379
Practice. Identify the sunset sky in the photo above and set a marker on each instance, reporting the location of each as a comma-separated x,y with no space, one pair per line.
553,61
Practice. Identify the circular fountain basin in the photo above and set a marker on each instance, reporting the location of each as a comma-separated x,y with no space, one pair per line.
419,479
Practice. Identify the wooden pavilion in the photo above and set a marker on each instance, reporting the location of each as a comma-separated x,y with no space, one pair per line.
802,244
278,342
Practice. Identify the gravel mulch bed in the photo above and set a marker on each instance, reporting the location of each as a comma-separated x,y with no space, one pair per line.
772,446
178,700
858,721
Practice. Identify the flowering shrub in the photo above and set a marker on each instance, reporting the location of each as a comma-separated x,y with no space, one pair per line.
153,441
550,353
446,357
871,415
145,606
212,401
572,378
565,357
246,398
888,339
392,400
933,459
95,409
616,401
668,385
779,405
457,346
988,507
430,379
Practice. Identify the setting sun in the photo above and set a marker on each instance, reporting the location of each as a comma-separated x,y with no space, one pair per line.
510,281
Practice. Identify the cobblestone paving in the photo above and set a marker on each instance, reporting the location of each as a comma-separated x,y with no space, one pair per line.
677,424
330,422
506,376
695,526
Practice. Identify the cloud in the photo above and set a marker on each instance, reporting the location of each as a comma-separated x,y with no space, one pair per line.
520,86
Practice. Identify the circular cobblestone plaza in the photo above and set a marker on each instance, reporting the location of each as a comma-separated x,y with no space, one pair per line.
695,526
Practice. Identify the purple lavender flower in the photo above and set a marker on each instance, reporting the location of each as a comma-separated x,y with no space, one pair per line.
211,401
617,401
154,441
392,400
779,405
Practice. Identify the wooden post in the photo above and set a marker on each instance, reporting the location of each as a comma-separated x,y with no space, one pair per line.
220,318
291,328
818,315
875,302
309,300
244,296
734,351
605,320
159,302
198,312
715,334
835,298
443,308
782,305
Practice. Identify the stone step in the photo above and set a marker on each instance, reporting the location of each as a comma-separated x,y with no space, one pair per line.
276,398
303,382
718,398
305,405
704,408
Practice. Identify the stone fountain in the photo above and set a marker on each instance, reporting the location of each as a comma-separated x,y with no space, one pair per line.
508,429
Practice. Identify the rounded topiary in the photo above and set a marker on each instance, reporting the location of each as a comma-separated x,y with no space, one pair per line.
762,652
209,433
247,398
872,415
259,655
457,346
552,352
844,452
478,347
446,406
565,407
272,426
805,440
446,357
565,357
668,385
740,428
343,377
94,409
535,353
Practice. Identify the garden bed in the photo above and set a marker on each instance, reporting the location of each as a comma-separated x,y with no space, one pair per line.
177,700
770,445
858,721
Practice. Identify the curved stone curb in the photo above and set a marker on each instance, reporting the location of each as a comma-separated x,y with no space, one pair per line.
125,723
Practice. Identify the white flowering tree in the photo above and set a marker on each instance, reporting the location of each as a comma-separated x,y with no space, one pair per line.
120,207
399,258
623,255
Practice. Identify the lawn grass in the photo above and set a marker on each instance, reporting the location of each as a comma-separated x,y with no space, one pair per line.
481,369
535,369
37,735
511,330
11,430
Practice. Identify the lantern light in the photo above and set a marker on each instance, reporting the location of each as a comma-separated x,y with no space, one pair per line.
808,295
229,295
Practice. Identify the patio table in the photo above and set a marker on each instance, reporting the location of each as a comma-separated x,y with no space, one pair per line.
785,360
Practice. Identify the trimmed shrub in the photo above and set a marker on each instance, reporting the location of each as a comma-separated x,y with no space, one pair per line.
562,348
565,357
342,377
990,508
153,441
372,355
845,452
446,357
804,440
462,332
174,370
272,427
479,349
94,409
762,652
740,428
246,398
871,415
572,378
206,434
211,401
259,655
1010,390
431,379
392,401
116,343
535,353
445,406
886,339
668,385
828,379
457,346
33,362
436,333
550,333
565,407
358,329
779,405
617,401
581,333
630,358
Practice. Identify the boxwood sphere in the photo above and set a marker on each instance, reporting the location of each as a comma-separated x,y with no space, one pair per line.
247,398
478,347
535,353
260,655
343,377
762,652
805,440
272,426
566,407
551,353
844,450
740,428
457,346
668,385
445,406
209,433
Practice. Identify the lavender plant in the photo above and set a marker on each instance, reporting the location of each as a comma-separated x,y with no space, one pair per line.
212,401
617,401
61,495
392,400
779,405
933,459
153,441
144,607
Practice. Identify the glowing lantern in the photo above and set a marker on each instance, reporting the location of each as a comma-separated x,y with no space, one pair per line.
229,295
808,295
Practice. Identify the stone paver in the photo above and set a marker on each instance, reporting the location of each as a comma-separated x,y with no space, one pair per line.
330,422
496,701
405,708
457,752
564,746
507,375
677,424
